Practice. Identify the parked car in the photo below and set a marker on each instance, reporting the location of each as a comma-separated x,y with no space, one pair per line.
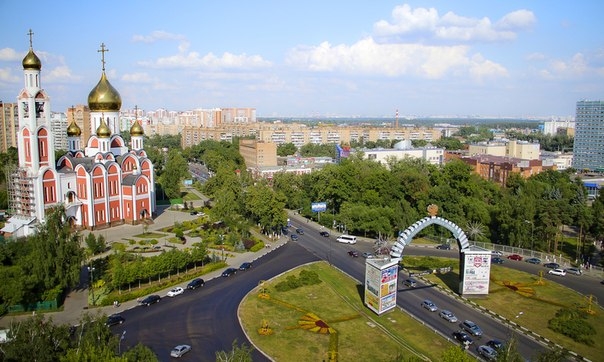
196,283
429,305
367,255
300,231
295,237
176,291
228,272
410,282
245,266
496,253
448,316
471,328
551,265
152,299
495,344
463,338
575,271
180,350
558,271
353,253
114,319
533,260
497,260
444,247
487,352
515,257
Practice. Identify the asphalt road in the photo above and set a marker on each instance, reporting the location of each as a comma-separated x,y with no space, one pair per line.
205,318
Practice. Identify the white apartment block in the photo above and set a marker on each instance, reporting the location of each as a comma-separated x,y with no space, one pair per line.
58,128
551,127
404,150
516,149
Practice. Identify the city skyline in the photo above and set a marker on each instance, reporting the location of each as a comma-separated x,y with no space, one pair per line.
334,59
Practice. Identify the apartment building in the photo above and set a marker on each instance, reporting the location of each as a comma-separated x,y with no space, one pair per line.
58,128
498,169
9,125
80,114
515,149
555,126
588,149
258,154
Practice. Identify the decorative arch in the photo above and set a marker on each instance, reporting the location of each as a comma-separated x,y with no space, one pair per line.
117,141
405,237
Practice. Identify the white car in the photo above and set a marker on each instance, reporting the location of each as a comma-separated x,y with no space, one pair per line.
179,350
448,316
559,272
176,291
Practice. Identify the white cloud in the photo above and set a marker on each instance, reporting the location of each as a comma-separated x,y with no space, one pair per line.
137,78
10,55
157,35
428,24
578,66
7,76
369,57
195,60
61,74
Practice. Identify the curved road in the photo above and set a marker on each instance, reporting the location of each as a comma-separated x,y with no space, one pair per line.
206,318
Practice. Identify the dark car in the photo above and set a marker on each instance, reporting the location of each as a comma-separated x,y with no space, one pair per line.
245,266
294,237
463,338
228,272
152,299
551,265
114,319
515,257
300,231
497,260
471,328
495,344
353,253
444,247
196,283
410,282
533,260
324,233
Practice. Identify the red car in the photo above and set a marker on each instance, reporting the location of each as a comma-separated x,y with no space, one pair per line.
515,257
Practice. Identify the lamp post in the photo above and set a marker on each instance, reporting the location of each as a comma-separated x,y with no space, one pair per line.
91,274
532,233
120,343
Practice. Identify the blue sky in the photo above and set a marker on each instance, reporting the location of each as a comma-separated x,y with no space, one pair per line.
315,58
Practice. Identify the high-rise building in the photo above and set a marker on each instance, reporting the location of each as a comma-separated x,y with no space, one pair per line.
58,127
588,149
99,183
9,125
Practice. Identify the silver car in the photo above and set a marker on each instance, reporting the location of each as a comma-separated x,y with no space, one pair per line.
180,350
448,316
429,305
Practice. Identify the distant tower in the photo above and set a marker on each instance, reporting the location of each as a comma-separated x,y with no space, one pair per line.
396,123
136,134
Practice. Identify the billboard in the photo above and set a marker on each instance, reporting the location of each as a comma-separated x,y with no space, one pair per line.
381,281
318,206
476,269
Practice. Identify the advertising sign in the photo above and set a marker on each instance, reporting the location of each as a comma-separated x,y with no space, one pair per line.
381,281
476,272
318,206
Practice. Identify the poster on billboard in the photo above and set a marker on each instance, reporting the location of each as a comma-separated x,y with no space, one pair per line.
318,206
476,272
381,281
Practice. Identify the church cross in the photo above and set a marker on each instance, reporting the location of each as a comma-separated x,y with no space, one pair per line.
31,34
102,51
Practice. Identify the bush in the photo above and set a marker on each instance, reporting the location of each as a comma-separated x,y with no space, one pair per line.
248,243
573,324
292,282
257,246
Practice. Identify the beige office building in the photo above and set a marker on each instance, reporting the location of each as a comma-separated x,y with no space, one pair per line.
516,149
81,115
258,154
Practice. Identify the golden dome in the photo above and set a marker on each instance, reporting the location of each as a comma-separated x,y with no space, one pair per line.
73,130
31,61
104,97
103,131
136,129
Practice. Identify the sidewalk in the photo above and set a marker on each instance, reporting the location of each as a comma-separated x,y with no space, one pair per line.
76,302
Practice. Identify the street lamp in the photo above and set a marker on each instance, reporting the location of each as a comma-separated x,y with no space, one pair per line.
91,274
120,343
532,233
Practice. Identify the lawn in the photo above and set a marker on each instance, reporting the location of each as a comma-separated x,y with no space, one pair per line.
357,334
531,302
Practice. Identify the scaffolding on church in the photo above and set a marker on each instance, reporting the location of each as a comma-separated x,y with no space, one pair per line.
21,193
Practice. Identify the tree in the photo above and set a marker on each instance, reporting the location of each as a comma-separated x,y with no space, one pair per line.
140,353
237,353
456,354
286,149
175,171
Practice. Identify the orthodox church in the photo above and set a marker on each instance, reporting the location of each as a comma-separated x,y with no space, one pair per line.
101,184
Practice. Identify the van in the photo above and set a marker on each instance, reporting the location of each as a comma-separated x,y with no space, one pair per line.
347,239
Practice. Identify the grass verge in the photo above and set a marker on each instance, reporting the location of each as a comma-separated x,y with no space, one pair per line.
357,334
